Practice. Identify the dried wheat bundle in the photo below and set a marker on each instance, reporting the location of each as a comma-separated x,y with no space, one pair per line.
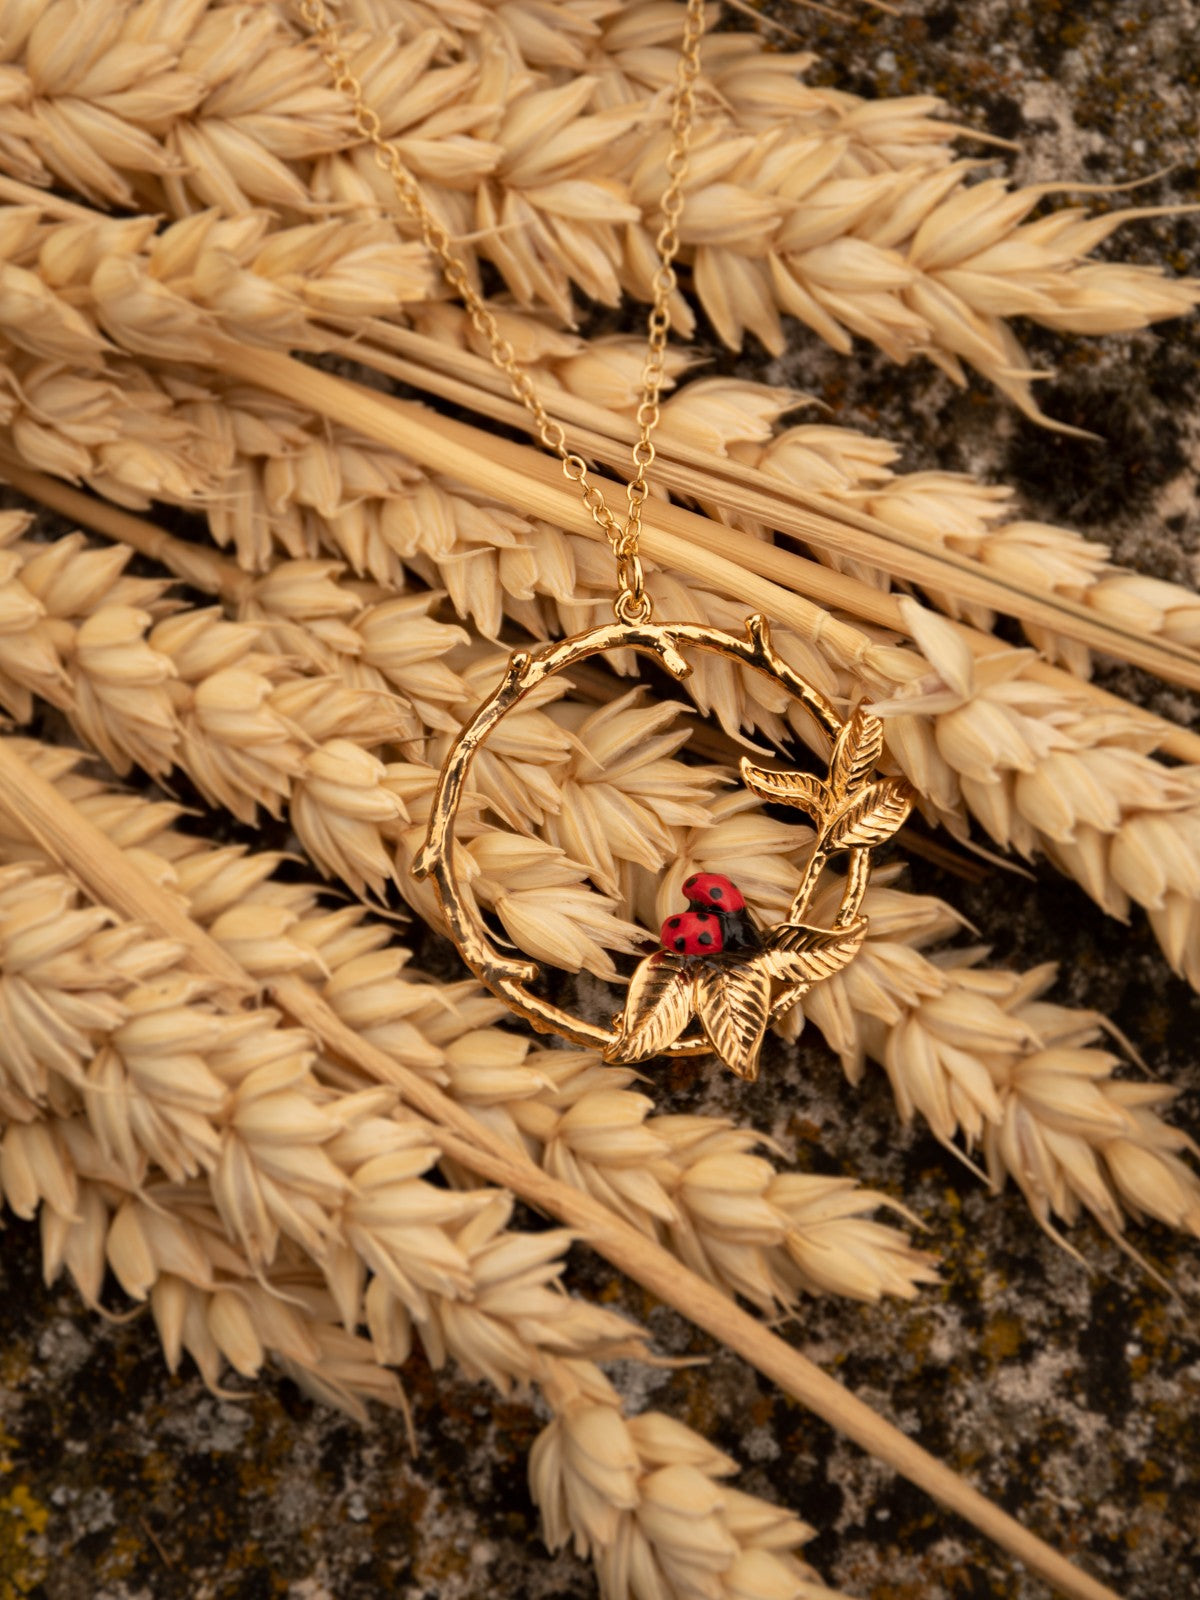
258,1185
383,1218
40,810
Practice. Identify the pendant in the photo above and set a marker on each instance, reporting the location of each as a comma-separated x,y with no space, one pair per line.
714,967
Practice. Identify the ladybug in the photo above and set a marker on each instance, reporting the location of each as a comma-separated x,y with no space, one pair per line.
711,891
694,933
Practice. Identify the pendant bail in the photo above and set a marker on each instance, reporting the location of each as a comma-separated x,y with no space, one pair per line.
632,603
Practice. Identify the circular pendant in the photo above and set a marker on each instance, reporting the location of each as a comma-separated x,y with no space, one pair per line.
716,983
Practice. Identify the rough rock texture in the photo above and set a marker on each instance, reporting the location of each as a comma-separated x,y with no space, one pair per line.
1070,1392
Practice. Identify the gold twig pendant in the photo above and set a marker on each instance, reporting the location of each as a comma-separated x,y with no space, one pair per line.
714,966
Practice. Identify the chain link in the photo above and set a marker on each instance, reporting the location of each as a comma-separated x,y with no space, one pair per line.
632,603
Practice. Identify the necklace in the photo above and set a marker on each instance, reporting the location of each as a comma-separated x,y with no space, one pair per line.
715,965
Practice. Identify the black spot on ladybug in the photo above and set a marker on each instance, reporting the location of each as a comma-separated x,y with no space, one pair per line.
704,916
717,893
673,923
690,881
681,944
705,938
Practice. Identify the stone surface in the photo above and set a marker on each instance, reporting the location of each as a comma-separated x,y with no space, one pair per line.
1068,1390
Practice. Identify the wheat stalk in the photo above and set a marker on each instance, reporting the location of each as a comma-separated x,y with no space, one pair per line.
981,1053
1122,825
522,477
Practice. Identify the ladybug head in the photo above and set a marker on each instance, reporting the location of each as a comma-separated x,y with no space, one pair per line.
693,933
713,892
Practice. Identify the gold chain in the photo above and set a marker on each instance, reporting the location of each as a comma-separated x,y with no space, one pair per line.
632,603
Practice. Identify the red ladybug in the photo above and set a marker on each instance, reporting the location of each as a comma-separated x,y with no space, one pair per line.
713,892
694,933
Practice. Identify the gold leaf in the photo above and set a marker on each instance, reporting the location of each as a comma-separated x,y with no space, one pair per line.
856,753
873,816
657,1007
733,1004
800,954
788,788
